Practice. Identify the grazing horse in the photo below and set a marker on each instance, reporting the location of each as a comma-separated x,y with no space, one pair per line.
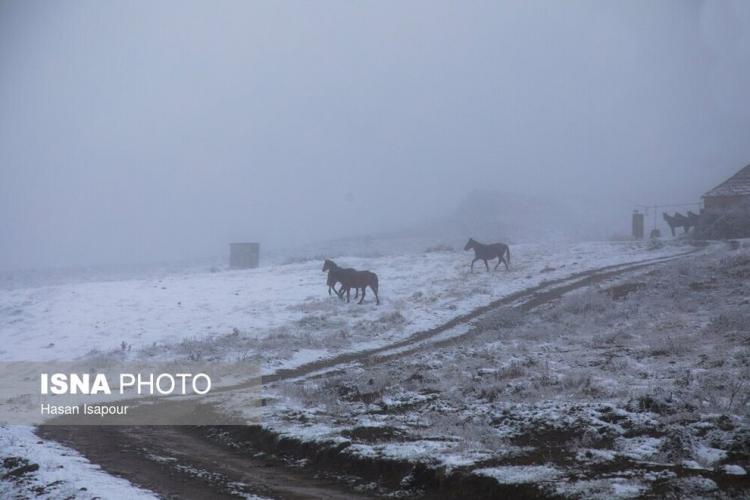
351,278
488,252
678,220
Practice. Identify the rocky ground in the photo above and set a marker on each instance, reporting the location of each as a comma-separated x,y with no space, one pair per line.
638,387
620,382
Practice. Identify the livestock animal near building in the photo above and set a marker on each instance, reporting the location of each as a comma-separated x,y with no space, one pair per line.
679,220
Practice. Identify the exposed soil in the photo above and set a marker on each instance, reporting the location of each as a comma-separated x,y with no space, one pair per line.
190,462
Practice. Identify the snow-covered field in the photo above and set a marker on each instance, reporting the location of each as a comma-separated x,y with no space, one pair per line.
589,396
280,314
35,468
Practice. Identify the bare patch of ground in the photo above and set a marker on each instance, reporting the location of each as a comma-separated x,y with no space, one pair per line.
402,422
634,388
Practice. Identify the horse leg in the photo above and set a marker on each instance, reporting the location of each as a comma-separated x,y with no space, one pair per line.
348,293
363,295
486,265
472,263
375,291
356,293
507,268
500,260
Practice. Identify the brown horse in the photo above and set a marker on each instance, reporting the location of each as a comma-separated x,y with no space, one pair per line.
331,282
351,278
488,252
678,220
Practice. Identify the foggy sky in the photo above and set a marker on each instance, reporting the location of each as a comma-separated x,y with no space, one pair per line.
155,130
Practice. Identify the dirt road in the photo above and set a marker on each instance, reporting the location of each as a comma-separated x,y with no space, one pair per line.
180,462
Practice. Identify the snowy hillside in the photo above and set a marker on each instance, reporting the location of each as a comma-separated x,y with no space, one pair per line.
636,389
281,312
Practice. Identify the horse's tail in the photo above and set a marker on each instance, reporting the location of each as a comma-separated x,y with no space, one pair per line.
374,286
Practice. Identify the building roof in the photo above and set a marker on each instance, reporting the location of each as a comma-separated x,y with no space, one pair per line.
737,185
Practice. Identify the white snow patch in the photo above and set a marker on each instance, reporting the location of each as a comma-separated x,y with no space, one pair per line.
412,450
734,470
626,489
595,455
602,489
639,448
75,476
709,456
147,314
517,474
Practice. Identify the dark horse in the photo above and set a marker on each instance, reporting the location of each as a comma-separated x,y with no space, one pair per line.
488,252
351,278
678,220
331,282
332,279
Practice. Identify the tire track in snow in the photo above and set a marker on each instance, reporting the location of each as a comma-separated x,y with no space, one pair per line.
526,299
225,473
